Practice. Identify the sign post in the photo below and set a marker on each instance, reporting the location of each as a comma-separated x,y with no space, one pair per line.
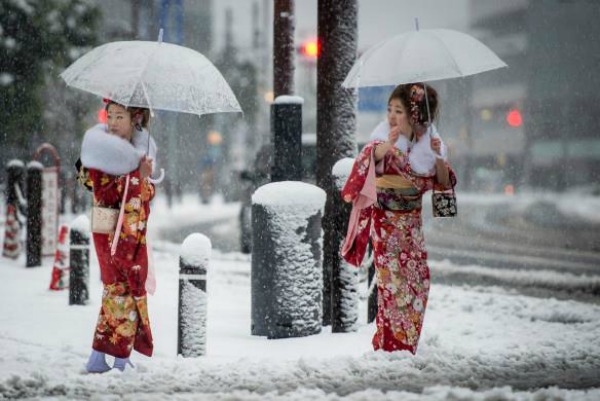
50,200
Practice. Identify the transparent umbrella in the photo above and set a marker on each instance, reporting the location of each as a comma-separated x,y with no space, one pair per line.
153,75
419,56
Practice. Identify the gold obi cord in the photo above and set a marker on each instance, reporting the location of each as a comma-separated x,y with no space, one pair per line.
393,181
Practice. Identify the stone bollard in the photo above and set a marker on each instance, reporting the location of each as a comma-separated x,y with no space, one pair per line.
193,267
34,214
287,278
286,123
79,258
15,171
344,280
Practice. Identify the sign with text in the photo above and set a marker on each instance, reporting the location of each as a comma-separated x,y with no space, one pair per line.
49,210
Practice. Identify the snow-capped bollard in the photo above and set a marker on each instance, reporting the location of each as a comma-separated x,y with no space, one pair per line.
344,280
34,214
15,172
287,278
286,120
193,267
79,257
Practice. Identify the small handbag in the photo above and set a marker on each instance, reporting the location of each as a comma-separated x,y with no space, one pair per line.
104,220
444,203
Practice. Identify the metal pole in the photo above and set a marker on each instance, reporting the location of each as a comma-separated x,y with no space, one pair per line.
286,115
34,214
283,48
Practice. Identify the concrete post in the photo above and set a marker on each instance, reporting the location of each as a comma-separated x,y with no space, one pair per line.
193,267
287,282
79,259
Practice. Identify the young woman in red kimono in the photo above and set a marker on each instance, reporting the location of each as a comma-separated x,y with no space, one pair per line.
387,192
123,323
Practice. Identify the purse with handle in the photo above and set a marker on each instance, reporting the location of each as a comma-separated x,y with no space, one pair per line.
444,203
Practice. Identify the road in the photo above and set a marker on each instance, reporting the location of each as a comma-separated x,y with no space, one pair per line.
533,249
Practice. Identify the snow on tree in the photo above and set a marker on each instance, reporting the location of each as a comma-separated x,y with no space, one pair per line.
336,120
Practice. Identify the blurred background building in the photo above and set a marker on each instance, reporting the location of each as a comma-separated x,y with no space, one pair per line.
530,125
533,124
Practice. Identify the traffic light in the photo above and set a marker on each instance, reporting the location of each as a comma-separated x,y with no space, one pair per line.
514,119
310,48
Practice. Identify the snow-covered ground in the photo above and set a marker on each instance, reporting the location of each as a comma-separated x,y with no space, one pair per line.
478,343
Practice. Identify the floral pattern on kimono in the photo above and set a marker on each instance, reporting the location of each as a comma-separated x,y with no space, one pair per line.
123,322
394,225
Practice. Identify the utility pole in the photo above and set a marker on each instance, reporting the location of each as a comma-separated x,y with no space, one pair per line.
336,124
135,18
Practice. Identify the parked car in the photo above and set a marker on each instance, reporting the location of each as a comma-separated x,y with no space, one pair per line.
260,174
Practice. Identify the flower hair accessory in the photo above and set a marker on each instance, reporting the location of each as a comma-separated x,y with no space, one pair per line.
417,93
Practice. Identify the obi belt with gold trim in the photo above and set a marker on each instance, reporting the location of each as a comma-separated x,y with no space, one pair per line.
394,192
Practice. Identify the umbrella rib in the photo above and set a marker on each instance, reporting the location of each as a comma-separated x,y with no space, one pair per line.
140,81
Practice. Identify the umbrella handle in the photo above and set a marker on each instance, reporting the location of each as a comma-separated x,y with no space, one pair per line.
160,178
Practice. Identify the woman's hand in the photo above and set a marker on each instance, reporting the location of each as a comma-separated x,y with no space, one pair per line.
394,135
146,167
347,198
436,145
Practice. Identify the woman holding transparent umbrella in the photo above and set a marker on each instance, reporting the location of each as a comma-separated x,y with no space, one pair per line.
118,172
386,186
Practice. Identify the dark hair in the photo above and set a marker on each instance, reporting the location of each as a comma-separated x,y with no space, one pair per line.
133,113
412,98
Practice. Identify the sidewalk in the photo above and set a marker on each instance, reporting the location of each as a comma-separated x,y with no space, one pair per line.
478,343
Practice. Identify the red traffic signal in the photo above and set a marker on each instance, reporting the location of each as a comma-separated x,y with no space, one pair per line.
310,48
514,118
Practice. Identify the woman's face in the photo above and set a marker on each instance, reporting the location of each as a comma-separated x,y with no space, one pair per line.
398,117
119,122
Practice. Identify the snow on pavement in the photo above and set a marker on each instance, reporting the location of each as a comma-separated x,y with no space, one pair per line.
478,343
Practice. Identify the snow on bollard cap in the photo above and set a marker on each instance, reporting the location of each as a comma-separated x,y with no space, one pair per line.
288,99
341,171
81,224
196,250
290,194
15,163
35,165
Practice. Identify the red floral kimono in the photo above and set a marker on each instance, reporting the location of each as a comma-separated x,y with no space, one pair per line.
394,225
123,323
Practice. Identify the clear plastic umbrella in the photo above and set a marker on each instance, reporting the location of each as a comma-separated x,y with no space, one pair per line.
153,75
419,56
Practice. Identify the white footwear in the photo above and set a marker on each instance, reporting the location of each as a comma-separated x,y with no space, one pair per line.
97,363
121,363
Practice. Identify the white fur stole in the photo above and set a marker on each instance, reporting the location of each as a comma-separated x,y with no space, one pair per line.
112,154
420,155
